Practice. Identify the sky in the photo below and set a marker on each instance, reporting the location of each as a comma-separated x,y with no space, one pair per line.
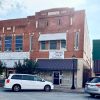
11,9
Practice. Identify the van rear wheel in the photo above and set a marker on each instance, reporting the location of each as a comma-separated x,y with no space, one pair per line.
16,88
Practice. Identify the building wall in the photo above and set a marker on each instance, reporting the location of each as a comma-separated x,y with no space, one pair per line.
66,26
80,73
52,21
27,26
87,52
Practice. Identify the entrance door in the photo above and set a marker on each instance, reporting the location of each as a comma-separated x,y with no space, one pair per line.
56,77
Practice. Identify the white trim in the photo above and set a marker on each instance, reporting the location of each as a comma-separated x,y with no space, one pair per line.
62,59
3,29
71,20
13,29
10,57
30,42
8,28
36,24
76,48
43,50
14,55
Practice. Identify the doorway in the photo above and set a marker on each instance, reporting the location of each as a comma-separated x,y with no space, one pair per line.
57,77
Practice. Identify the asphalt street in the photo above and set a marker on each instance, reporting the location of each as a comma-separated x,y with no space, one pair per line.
41,95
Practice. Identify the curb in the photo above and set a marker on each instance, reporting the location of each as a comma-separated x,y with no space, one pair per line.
67,90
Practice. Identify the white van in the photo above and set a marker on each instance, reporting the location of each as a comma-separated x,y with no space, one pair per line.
18,82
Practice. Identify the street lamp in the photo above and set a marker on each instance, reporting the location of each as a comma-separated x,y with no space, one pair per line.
73,72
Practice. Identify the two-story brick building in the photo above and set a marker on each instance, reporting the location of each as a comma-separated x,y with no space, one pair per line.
51,37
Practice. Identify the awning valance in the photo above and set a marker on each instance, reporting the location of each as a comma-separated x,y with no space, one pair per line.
55,36
56,64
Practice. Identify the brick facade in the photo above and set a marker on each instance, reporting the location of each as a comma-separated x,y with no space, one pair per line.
58,20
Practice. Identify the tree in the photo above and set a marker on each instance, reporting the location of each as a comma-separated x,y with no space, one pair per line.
28,66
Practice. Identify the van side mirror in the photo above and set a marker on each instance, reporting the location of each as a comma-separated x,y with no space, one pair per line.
43,80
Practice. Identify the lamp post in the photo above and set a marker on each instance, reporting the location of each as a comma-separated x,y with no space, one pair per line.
73,72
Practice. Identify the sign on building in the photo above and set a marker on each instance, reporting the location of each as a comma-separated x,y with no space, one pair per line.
56,55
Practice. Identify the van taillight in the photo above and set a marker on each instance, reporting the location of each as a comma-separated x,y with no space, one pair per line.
7,81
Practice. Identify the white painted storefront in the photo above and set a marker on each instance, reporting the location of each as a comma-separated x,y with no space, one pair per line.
9,58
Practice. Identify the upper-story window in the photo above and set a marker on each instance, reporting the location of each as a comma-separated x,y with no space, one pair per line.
43,45
19,43
76,45
71,20
0,44
36,24
63,44
31,42
53,44
47,23
59,21
8,43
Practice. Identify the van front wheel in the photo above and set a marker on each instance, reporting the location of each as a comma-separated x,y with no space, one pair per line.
47,88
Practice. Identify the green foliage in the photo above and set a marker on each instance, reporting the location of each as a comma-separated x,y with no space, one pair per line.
28,67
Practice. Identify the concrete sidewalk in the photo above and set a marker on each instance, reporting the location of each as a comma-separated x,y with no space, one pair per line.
68,90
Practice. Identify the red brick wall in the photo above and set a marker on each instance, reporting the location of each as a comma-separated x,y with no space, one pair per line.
28,26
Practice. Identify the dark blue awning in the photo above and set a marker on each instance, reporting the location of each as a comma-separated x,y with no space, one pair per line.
57,64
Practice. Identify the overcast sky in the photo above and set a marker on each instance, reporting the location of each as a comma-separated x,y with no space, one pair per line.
10,9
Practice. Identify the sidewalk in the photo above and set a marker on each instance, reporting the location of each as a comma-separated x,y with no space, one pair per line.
68,90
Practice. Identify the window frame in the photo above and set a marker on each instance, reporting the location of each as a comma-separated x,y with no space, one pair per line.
71,20
50,45
76,41
31,42
8,46
61,45
19,43
41,45
17,78
29,78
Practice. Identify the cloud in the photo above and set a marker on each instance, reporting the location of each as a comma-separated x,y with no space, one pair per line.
31,6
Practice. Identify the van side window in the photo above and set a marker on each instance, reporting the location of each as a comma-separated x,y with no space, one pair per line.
16,77
27,77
